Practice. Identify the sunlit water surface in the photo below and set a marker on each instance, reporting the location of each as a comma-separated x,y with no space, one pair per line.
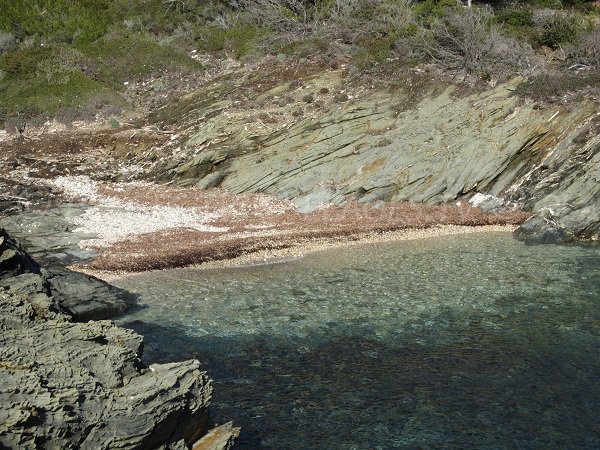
474,341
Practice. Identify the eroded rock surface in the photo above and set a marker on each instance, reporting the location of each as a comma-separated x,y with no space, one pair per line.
83,385
436,146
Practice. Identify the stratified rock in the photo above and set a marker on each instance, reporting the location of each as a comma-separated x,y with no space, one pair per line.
429,145
564,191
82,385
542,229
81,296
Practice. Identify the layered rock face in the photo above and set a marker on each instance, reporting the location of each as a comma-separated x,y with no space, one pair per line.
82,385
436,146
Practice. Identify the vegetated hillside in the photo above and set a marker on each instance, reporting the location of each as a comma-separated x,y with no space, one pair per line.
75,60
328,100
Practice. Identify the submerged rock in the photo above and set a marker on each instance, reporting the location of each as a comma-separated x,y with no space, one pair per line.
81,296
83,385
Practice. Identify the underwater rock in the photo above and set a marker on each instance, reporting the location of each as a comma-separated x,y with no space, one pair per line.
81,296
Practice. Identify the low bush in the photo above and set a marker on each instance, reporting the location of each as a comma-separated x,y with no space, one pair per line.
467,41
131,57
210,38
241,39
586,52
62,20
87,48
61,63
519,17
548,86
559,30
34,96
430,10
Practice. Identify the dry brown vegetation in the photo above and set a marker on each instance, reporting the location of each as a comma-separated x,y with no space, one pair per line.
261,229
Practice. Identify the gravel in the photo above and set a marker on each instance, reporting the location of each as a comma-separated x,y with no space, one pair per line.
113,219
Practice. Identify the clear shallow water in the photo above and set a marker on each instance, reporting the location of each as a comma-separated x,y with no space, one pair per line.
476,341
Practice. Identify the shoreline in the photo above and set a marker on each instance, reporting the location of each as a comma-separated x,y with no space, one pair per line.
308,247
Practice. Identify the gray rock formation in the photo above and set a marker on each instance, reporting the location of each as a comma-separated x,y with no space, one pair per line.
48,236
13,261
83,385
81,296
437,146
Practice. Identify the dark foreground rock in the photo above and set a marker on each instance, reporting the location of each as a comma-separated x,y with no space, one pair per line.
83,385
86,297
81,296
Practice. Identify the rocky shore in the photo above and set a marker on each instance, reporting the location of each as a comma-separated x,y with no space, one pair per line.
72,381
239,172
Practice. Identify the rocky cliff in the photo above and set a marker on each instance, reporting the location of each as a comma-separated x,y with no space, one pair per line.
67,384
427,141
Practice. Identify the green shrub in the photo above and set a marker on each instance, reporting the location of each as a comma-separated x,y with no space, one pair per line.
548,4
520,17
60,20
559,30
87,20
61,63
518,23
34,96
241,38
132,57
210,38
430,10
375,52
46,80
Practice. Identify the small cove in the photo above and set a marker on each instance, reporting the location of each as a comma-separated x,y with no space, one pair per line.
474,341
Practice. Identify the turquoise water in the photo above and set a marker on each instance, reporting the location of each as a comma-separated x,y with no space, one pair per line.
474,341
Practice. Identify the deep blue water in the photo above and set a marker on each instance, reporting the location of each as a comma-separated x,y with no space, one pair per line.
474,341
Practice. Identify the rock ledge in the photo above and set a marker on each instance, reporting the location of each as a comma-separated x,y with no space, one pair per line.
83,385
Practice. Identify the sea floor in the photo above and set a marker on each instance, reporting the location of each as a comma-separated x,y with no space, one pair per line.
471,341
